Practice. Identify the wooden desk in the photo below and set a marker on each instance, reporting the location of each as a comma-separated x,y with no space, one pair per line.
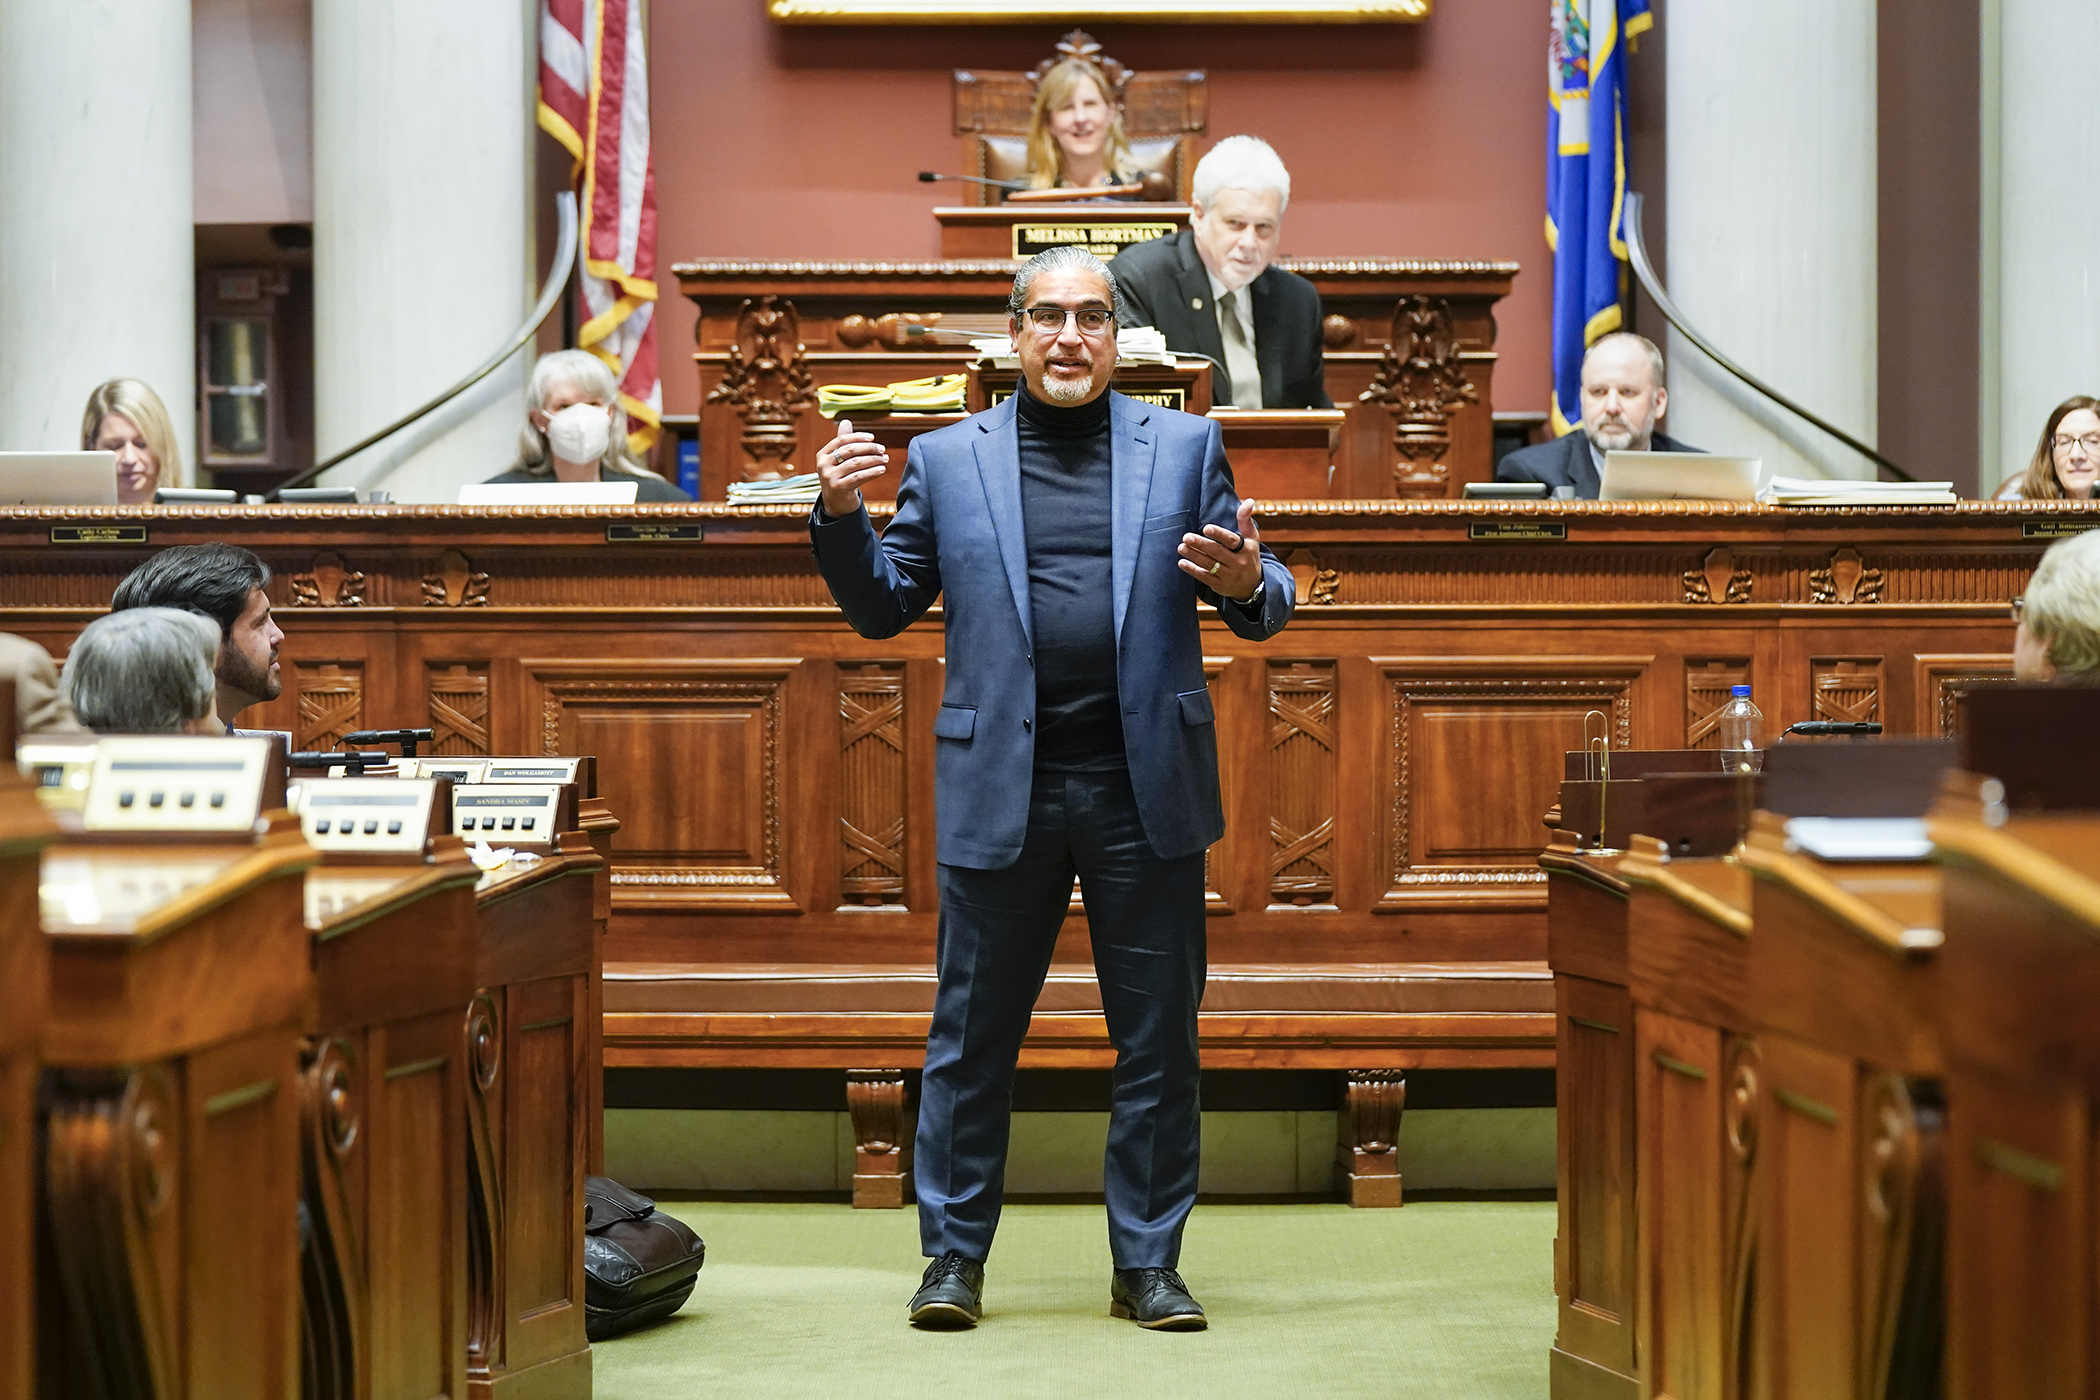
180,979
2022,911
25,829
1687,935
527,1100
1384,760
395,953
1843,1123
1594,1256
1409,353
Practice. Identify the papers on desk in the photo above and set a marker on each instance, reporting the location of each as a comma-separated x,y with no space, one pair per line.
1801,491
1860,838
782,491
1142,345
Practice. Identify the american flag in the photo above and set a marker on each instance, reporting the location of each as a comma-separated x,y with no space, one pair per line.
594,99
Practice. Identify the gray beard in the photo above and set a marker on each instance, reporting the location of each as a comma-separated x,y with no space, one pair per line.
1065,392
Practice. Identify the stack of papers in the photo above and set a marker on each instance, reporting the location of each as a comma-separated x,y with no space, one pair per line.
1799,491
993,347
781,491
1142,345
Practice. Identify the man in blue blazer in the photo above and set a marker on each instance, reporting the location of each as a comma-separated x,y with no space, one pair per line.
1073,533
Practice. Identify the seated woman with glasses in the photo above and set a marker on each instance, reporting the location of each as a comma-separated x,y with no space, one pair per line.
2066,462
2058,638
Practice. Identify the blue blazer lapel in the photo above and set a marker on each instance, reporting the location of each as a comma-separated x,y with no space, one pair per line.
1130,448
999,468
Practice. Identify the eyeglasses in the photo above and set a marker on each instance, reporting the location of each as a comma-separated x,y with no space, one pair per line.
1050,320
2019,609
2089,441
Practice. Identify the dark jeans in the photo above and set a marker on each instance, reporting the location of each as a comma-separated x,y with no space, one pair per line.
998,928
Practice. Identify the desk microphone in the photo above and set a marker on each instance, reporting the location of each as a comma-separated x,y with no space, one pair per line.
929,177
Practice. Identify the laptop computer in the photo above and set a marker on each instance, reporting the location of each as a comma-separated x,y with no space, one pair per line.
58,478
1679,476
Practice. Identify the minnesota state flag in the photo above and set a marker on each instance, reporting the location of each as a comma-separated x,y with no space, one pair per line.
1586,181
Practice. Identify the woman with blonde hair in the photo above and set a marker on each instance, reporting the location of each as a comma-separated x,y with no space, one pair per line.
1075,133
2066,462
575,430
128,418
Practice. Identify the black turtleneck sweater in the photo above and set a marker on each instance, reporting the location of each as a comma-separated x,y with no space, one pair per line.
1066,514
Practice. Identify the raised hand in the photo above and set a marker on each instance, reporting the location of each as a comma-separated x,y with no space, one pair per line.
844,463
1226,562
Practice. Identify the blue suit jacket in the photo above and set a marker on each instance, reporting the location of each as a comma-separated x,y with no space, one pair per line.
958,532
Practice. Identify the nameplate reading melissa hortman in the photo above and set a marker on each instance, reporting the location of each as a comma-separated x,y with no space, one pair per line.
647,533
1517,530
98,534
1103,239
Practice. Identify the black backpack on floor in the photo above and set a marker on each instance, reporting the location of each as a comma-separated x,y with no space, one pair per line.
639,1265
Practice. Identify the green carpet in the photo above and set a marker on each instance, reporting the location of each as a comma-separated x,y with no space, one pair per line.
1450,1300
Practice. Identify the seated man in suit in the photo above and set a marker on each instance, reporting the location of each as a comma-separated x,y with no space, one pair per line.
1622,400
1211,291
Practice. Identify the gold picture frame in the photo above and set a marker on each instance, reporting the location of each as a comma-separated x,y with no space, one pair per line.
1118,11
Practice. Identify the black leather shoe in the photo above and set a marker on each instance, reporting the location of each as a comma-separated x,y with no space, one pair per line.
951,1294
1155,1298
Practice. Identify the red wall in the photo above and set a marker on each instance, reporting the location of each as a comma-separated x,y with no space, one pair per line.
1421,141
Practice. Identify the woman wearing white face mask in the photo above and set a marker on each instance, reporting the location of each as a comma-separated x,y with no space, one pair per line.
576,431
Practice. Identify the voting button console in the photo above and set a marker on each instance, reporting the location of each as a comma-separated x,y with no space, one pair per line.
528,816
179,785
394,817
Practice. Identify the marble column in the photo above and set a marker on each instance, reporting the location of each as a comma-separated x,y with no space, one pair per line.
1772,226
97,266
422,161
2041,217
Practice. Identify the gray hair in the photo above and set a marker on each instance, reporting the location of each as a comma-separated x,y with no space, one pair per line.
2063,605
1070,258
1242,163
1655,356
591,377
142,671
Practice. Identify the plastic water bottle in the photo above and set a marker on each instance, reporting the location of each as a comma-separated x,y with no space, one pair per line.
1742,732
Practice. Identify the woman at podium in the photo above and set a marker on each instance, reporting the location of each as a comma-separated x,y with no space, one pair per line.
1075,133
128,418
575,430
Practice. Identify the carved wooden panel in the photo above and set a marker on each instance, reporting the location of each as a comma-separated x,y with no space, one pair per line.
1719,578
459,708
872,796
331,702
328,583
1475,755
694,750
1302,756
1943,681
1846,579
1707,684
1845,689
454,582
